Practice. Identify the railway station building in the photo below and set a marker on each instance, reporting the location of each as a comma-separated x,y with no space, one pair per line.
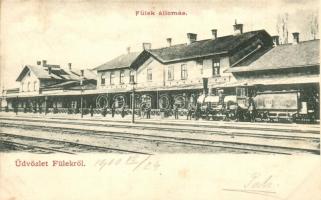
50,88
177,74
284,78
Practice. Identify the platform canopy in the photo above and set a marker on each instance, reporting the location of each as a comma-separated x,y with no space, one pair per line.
295,80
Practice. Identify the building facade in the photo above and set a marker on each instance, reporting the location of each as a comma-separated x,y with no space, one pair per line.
218,71
50,88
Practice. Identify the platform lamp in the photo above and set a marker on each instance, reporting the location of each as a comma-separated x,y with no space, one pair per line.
132,82
81,92
81,98
46,99
17,105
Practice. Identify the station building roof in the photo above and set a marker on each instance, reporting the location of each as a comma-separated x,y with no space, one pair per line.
122,61
203,48
182,52
302,54
56,73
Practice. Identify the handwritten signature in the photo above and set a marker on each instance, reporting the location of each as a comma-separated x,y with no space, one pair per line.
257,184
136,162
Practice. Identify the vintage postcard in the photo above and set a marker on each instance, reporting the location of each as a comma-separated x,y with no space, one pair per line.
138,99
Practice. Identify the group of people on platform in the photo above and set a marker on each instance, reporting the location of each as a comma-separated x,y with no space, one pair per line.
145,111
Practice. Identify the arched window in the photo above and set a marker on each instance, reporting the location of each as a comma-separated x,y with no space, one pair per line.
119,101
180,101
147,101
164,102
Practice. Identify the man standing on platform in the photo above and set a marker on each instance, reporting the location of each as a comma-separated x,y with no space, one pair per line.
175,108
148,110
113,110
189,112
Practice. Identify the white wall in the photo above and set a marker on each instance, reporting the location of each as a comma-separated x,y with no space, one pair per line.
117,83
157,74
160,74
32,79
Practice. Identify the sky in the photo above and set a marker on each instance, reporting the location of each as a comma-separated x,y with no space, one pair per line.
89,33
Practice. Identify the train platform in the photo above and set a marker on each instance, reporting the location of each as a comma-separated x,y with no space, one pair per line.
166,121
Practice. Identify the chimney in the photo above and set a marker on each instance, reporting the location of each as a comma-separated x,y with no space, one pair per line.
69,66
38,62
296,37
49,70
128,50
82,73
214,33
44,63
192,37
275,39
147,46
169,42
238,28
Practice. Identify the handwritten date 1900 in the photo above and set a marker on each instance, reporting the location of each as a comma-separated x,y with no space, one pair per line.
135,162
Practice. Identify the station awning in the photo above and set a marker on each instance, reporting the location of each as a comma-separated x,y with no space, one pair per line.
166,88
271,81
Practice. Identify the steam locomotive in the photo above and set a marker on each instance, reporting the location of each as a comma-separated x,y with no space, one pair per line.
269,106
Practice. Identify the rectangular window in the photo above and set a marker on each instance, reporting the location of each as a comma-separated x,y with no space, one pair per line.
132,76
183,71
35,85
121,77
22,87
199,64
241,92
216,67
28,87
170,73
149,75
112,78
103,78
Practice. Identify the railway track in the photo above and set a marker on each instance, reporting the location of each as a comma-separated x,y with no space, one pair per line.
235,146
31,148
27,142
125,124
233,133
